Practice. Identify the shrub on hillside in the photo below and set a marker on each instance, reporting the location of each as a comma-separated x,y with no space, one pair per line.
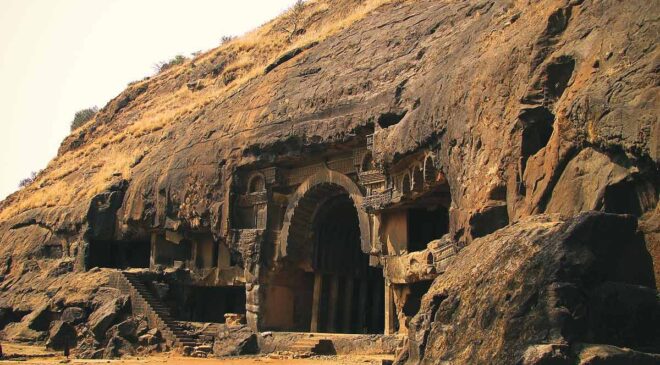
226,39
28,180
164,65
83,116
291,22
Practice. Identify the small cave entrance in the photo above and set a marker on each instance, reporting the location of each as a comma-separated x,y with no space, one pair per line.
622,198
408,300
119,254
537,126
557,76
415,292
326,284
207,303
9,315
389,119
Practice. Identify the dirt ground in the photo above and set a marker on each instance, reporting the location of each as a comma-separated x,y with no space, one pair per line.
31,354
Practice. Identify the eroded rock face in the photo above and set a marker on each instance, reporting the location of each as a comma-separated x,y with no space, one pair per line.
532,107
510,93
532,290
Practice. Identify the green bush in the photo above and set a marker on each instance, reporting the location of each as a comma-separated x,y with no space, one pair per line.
83,116
164,65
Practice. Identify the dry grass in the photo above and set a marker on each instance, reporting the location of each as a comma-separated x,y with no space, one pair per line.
76,176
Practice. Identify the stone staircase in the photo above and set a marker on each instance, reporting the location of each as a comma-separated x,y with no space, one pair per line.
311,344
145,302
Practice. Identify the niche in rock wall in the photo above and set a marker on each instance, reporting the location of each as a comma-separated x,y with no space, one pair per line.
622,198
418,179
537,125
488,220
250,217
390,118
413,297
426,225
9,315
119,254
367,163
256,184
558,74
406,185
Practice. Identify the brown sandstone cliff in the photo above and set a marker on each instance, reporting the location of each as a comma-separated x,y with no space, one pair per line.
537,107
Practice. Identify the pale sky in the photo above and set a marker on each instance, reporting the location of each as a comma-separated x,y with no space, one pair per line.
60,56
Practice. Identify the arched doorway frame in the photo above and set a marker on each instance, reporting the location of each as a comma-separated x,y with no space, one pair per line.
327,176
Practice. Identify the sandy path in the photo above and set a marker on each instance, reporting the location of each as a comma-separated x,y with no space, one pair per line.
29,354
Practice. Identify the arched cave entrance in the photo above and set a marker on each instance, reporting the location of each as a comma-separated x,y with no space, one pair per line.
325,283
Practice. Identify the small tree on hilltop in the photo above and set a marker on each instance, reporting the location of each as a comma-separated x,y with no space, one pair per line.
83,116
291,22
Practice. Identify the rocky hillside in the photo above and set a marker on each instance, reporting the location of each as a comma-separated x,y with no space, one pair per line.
537,107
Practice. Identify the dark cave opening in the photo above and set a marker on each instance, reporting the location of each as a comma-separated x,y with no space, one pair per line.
537,125
119,254
426,225
349,284
389,119
558,74
9,315
414,299
622,198
209,303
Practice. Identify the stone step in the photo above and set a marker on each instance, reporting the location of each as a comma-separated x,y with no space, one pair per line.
174,331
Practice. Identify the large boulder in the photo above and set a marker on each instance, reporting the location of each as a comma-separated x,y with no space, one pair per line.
233,341
150,338
118,347
612,355
19,332
525,292
129,329
32,328
88,347
39,319
73,315
61,335
109,305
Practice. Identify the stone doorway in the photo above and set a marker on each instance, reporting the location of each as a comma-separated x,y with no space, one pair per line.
348,294
325,283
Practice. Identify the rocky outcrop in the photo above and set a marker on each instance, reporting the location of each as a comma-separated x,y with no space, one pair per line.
109,304
232,341
73,315
518,97
61,335
532,107
539,290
